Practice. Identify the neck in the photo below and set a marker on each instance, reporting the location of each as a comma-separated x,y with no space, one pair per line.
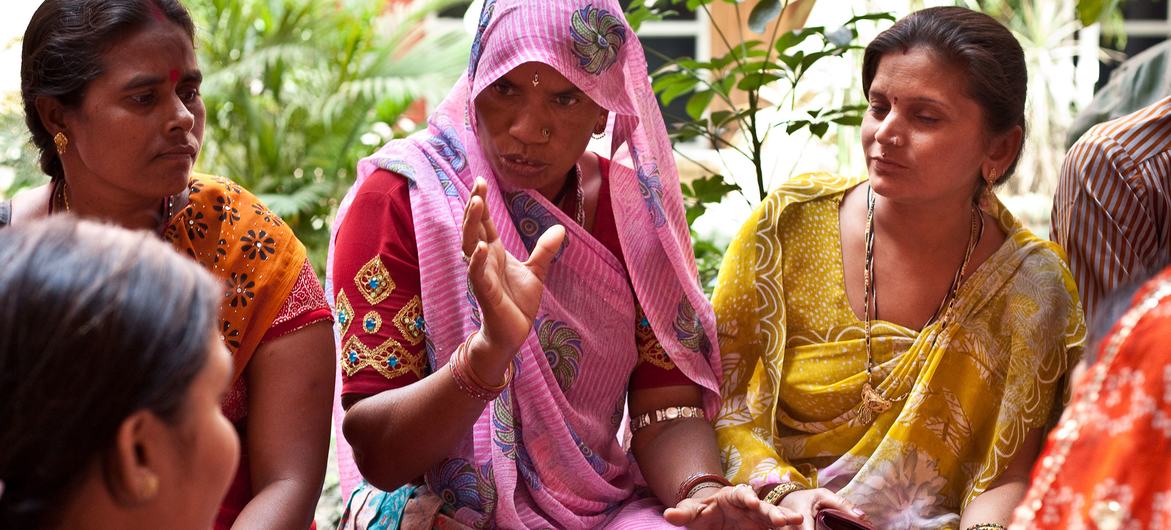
122,209
927,227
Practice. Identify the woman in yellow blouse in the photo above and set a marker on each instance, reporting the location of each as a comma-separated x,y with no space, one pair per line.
901,341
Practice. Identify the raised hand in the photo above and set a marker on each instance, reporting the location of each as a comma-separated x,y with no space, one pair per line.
508,290
728,508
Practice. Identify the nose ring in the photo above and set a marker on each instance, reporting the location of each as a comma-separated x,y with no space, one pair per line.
895,141
545,132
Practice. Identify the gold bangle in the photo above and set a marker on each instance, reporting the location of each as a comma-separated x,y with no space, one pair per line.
987,526
665,414
780,491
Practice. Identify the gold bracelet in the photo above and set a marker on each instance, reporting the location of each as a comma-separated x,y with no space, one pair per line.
666,414
780,491
987,526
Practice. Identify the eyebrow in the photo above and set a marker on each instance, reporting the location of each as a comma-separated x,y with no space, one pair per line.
143,80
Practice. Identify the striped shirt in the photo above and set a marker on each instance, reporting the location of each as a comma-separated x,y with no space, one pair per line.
1112,211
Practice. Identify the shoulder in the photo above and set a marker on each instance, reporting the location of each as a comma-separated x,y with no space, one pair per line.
234,207
1142,133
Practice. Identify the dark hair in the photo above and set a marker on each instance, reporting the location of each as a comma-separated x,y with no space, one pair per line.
96,323
985,49
63,48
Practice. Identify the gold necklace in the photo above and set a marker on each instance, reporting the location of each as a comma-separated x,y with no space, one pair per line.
875,402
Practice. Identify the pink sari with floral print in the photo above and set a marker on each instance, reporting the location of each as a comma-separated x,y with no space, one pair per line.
547,452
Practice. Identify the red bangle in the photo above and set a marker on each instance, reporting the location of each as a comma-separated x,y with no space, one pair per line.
696,479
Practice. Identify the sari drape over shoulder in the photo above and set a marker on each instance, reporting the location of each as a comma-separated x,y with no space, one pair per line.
967,388
547,451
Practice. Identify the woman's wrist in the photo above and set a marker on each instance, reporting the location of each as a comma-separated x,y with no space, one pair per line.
696,483
485,360
780,491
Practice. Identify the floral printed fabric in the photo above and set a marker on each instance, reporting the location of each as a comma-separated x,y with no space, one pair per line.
257,257
794,361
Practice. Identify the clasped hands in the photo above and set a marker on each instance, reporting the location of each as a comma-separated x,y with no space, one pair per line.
739,507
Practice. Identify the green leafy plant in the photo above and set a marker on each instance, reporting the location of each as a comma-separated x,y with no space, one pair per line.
298,90
726,98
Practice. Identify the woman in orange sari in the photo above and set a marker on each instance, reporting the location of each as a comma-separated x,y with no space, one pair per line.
111,97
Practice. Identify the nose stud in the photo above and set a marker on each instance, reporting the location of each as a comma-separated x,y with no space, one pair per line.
545,132
895,141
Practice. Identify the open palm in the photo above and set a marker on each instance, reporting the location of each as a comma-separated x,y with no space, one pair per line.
507,289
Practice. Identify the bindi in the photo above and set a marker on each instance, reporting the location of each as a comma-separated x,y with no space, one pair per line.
173,75
157,12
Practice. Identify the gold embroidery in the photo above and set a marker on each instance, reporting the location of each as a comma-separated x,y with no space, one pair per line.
372,322
409,321
390,359
650,350
344,312
374,281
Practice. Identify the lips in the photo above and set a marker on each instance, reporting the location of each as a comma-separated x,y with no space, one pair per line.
886,164
180,151
521,166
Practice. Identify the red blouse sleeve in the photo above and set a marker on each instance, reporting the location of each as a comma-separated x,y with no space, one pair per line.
305,305
376,290
654,368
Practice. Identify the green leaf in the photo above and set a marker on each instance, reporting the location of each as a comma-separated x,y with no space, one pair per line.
763,13
881,16
697,104
711,189
819,129
795,126
678,88
755,81
793,38
850,121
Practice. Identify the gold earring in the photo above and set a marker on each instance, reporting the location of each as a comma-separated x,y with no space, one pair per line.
149,487
61,141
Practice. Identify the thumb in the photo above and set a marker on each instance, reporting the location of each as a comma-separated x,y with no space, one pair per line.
545,250
682,514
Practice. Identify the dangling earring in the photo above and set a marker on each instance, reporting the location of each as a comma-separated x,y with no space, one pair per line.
599,135
61,141
986,198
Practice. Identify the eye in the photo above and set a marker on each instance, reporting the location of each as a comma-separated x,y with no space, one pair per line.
189,95
145,98
504,88
928,119
878,109
566,100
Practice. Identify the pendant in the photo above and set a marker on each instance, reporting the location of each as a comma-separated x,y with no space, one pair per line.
873,400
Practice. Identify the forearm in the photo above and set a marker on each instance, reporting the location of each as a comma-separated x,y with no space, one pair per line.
995,505
386,429
270,509
669,453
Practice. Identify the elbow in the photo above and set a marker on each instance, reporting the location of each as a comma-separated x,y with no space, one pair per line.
378,470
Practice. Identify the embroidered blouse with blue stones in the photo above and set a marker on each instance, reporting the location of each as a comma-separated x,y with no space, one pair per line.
374,281
344,312
372,322
409,321
390,358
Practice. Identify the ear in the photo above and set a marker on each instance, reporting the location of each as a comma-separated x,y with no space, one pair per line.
52,114
1002,151
132,473
603,119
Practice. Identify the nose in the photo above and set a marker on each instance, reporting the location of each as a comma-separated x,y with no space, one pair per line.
530,125
889,131
182,119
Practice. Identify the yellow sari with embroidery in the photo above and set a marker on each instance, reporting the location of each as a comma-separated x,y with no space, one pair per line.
966,389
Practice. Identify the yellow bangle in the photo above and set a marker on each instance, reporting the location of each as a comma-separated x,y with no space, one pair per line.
987,526
780,491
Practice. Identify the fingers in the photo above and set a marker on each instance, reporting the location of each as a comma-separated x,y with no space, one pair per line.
545,250
489,229
477,263
683,514
835,501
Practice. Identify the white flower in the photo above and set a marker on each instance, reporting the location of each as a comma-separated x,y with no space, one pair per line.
901,491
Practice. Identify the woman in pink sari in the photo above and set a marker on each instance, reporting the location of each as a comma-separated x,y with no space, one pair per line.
505,298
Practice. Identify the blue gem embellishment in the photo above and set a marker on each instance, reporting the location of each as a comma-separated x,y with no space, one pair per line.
419,323
353,357
341,317
370,324
392,362
373,283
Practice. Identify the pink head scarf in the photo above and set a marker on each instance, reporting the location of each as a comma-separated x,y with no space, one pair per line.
546,452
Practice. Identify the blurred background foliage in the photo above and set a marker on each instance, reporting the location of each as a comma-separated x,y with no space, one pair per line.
298,90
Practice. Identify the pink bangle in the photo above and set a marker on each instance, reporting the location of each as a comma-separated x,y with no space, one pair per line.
466,379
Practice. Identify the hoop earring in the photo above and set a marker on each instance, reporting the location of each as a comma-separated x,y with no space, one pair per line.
598,136
61,141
